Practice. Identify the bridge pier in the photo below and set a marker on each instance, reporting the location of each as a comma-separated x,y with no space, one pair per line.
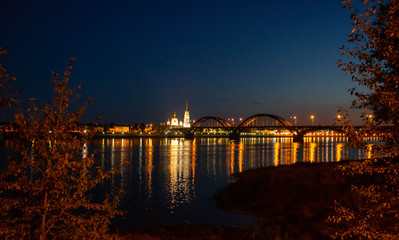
297,138
189,135
234,136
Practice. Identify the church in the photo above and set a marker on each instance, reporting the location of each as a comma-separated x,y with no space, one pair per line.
174,122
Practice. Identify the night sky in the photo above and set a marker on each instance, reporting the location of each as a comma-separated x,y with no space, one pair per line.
142,60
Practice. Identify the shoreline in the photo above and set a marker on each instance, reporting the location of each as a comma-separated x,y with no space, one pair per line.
11,135
100,136
288,201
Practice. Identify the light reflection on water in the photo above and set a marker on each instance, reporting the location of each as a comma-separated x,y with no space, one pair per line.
173,180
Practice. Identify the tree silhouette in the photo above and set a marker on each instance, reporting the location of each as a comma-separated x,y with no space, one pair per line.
45,191
5,79
142,127
373,62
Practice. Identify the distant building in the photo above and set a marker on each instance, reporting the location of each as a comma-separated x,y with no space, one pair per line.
186,121
98,129
174,122
94,128
120,128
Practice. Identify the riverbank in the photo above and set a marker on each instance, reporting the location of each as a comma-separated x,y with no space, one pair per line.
179,135
108,135
289,202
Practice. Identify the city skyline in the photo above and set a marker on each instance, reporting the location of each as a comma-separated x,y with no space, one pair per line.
310,119
140,61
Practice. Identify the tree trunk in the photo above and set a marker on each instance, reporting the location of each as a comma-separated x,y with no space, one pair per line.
43,225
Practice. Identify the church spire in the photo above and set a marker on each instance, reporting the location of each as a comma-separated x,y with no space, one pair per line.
186,121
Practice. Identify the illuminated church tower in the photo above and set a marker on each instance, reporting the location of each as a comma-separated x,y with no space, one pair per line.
186,121
175,121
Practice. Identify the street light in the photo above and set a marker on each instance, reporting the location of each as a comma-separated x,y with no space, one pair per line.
339,116
370,117
312,117
294,117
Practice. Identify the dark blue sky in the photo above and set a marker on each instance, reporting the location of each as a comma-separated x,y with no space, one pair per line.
141,60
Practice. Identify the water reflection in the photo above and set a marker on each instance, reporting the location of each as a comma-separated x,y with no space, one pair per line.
180,168
235,157
173,179
149,167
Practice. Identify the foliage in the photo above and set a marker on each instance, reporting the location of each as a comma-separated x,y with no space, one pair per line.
142,127
374,65
45,192
5,78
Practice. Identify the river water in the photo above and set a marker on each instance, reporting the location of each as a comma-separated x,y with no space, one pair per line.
172,180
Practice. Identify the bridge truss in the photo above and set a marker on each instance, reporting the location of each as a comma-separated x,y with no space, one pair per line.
258,122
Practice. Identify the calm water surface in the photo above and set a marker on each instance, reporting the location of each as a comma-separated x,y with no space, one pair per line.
173,180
